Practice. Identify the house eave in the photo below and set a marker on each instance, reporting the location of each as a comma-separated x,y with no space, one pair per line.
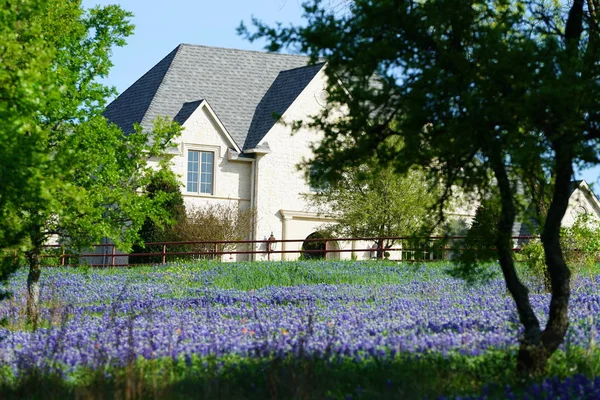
235,156
261,149
257,151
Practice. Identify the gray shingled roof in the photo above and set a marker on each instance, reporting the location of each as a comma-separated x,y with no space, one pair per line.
284,90
246,89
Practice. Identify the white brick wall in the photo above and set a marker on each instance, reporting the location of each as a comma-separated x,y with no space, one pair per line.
279,184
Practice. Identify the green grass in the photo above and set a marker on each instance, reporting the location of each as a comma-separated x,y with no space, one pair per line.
256,275
249,276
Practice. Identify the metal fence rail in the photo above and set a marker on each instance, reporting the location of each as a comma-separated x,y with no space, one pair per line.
407,249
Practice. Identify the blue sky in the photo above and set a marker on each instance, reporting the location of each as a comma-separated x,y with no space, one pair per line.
162,25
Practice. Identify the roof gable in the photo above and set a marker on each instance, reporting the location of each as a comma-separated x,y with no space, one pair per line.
588,194
285,89
244,88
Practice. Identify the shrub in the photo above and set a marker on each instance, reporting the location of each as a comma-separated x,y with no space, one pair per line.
580,244
214,223
533,258
211,223
479,244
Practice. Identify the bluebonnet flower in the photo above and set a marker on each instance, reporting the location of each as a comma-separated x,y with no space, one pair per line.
115,317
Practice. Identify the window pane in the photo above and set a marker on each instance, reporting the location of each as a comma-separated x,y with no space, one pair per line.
200,171
192,177
206,175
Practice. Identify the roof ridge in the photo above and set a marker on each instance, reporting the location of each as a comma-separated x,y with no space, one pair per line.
177,51
266,52
319,64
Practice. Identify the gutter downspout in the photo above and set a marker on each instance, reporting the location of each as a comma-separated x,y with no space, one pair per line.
253,195
254,189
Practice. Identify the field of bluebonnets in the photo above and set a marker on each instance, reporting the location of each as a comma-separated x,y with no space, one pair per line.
340,330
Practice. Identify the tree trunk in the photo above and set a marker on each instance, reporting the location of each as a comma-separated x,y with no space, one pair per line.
33,288
380,249
533,356
560,276
532,360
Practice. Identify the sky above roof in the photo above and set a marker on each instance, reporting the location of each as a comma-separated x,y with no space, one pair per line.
162,25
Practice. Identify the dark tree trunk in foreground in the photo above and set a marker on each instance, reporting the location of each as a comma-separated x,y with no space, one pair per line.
537,354
518,291
380,249
536,346
534,353
33,287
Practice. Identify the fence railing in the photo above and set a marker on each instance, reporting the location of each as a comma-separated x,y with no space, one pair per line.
407,249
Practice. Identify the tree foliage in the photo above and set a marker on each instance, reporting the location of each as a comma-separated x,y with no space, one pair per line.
164,189
479,241
24,88
377,202
472,88
67,173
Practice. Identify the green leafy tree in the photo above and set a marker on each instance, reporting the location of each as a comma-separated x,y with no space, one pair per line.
377,202
164,189
80,174
24,89
473,88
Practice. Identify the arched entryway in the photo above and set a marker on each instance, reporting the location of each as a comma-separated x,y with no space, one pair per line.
313,248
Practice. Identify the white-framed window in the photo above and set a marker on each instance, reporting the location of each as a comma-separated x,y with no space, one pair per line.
200,172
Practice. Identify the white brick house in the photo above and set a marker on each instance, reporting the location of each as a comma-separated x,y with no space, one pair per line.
232,148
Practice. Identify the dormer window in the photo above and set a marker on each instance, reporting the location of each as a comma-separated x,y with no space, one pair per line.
200,172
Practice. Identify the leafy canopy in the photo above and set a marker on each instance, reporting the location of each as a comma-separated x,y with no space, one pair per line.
371,201
472,88
66,172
